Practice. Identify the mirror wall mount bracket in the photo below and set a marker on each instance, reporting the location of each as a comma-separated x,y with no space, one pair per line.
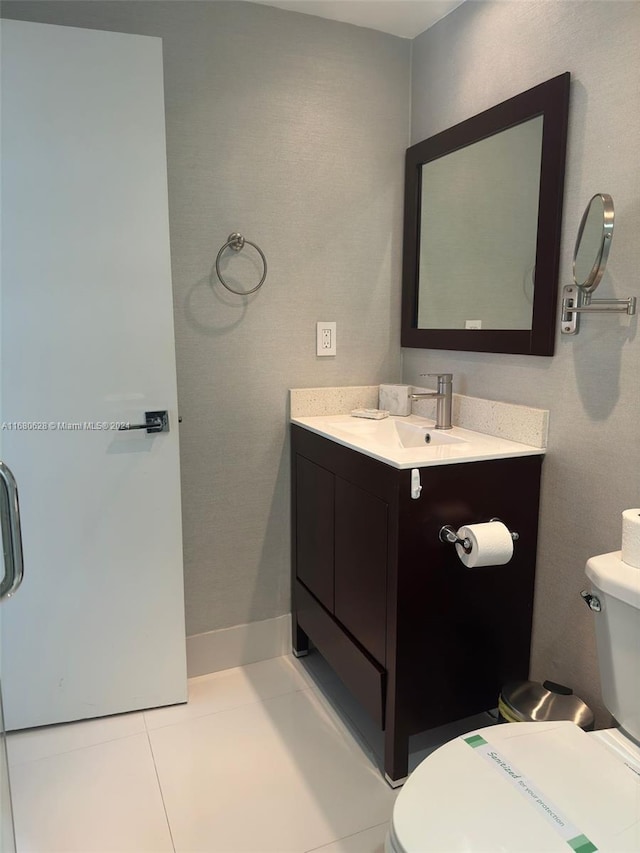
575,302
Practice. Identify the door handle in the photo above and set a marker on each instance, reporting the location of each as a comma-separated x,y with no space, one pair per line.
153,422
11,533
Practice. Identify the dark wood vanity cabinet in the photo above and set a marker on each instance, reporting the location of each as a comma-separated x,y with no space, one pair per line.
418,638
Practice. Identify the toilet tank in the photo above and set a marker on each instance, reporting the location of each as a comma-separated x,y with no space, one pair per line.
617,624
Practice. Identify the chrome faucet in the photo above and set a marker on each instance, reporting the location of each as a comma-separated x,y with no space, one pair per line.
444,396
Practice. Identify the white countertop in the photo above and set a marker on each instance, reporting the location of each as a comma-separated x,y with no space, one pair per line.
377,439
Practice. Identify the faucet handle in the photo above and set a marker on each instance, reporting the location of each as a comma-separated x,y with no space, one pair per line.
443,377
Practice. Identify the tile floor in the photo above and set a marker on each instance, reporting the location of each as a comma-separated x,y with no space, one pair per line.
273,756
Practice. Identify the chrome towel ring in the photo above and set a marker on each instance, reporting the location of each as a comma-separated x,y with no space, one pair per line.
237,242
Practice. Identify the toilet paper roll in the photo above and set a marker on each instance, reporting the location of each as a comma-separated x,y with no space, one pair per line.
631,537
491,544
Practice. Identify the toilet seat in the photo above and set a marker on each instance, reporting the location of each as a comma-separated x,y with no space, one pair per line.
522,788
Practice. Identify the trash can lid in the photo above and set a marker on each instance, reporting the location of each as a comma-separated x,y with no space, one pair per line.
530,701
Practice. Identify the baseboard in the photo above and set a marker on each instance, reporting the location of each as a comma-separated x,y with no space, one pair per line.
239,645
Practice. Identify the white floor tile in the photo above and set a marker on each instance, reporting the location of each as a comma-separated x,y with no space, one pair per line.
100,799
281,775
369,841
42,742
232,688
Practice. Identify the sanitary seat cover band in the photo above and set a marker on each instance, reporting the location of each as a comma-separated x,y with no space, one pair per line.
578,842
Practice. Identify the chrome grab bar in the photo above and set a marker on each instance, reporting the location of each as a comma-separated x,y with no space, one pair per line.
11,533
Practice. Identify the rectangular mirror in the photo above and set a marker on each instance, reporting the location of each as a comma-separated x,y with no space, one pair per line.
483,212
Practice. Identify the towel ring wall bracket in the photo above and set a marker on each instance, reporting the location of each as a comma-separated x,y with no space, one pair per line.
237,242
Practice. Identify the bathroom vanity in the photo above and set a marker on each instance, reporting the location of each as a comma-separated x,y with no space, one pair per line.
418,638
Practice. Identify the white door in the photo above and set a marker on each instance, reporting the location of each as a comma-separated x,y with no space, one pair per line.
87,343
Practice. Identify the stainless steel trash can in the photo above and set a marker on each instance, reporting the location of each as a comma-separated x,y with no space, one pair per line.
530,701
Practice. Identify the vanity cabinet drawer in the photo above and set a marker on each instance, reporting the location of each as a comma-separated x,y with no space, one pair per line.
364,677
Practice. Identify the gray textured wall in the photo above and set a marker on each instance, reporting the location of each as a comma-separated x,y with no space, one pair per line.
291,129
481,54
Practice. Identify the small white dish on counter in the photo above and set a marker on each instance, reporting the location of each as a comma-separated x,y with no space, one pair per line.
409,442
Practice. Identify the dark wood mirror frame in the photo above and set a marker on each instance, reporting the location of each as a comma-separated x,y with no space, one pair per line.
551,100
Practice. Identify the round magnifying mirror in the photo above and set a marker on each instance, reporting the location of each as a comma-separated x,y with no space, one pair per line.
592,245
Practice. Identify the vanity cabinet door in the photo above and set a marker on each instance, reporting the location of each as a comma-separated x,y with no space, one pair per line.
315,529
361,530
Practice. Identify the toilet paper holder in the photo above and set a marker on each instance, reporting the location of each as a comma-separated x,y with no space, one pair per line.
447,533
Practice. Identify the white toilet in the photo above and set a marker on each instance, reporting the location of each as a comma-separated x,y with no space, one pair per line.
544,786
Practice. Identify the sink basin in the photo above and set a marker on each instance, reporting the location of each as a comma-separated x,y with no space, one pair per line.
412,441
392,433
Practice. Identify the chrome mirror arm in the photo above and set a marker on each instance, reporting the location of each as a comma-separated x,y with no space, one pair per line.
576,301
